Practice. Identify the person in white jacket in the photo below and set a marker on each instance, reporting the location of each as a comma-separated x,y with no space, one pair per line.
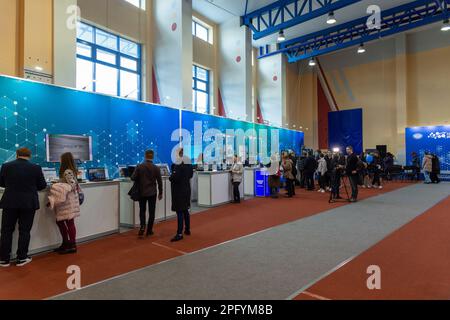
322,170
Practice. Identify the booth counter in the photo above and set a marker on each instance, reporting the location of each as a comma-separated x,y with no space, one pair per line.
129,210
249,181
215,188
99,217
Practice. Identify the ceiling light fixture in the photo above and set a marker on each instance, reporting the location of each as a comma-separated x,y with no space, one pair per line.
331,19
361,48
446,25
281,36
312,62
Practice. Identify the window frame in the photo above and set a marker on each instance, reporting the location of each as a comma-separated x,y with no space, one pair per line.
94,47
196,22
195,88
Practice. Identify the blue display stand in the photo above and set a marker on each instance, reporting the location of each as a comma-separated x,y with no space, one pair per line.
262,188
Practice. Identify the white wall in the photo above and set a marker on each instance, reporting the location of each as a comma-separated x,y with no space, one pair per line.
173,51
236,76
271,89
64,43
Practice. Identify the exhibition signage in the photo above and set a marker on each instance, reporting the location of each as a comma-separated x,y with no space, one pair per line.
262,188
432,139
120,130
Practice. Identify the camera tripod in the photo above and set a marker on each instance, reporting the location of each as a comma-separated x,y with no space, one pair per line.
342,182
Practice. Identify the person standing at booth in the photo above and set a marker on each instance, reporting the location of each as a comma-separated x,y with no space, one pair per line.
287,173
147,176
237,170
180,182
22,180
64,200
427,166
274,176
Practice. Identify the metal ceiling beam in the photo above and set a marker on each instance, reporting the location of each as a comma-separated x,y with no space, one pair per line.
396,20
284,14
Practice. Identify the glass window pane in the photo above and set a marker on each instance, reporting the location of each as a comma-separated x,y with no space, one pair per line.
106,56
129,85
202,74
85,73
85,32
106,79
194,99
201,85
128,63
202,102
84,50
137,3
201,32
129,48
106,40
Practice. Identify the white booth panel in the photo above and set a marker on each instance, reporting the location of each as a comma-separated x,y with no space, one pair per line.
249,181
126,204
99,217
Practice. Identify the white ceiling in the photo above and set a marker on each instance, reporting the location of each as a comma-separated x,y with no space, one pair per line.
222,10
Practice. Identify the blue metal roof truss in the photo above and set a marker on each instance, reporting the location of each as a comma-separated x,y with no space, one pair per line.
399,19
283,14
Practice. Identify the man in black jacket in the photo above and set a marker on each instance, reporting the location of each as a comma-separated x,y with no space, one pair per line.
22,180
435,169
180,182
352,172
301,169
310,168
147,175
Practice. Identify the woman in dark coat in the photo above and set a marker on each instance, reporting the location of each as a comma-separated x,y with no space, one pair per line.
180,180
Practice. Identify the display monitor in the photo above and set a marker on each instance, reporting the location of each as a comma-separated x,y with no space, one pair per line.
97,174
58,144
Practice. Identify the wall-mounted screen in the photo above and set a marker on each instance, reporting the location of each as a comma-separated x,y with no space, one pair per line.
58,144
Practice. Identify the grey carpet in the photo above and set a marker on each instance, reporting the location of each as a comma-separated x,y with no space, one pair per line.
275,263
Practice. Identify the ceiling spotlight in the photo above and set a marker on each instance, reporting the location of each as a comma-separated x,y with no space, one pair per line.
361,48
331,19
446,25
312,62
38,68
281,36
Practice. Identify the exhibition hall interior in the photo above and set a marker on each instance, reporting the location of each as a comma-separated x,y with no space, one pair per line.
225,150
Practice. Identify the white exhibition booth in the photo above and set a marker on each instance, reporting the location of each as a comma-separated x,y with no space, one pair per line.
107,207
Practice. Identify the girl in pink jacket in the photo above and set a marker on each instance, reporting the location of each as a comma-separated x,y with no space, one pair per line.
64,200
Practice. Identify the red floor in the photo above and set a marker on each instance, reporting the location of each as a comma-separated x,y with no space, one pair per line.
118,254
414,262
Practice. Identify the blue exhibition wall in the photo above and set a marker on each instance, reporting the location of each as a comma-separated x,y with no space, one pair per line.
345,128
434,139
121,129
287,139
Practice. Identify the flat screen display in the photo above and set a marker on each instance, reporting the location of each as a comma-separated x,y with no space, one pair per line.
97,174
58,144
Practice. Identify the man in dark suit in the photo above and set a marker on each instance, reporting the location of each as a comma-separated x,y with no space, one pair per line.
147,175
22,180
352,172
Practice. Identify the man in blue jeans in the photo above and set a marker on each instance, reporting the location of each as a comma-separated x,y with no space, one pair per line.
180,181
